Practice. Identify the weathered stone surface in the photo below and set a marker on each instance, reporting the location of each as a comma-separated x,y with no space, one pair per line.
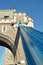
9,33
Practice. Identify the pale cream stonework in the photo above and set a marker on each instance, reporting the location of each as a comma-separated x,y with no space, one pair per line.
7,18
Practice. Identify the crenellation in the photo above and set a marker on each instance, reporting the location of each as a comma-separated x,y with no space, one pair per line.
9,16
9,20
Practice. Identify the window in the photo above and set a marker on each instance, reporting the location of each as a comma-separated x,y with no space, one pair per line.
4,28
6,17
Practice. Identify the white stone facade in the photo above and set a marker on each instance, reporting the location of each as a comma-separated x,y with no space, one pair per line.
9,20
11,16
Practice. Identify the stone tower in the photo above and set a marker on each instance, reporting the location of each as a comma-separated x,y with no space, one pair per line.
9,20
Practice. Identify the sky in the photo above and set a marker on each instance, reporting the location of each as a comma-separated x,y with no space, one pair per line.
33,8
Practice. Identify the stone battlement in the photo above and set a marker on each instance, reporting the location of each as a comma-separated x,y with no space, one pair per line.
12,16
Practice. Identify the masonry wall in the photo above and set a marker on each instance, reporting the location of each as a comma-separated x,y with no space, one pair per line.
7,29
9,58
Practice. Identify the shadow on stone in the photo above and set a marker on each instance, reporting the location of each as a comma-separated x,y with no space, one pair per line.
16,42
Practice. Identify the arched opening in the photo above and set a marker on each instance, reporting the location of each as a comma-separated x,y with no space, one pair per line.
2,43
6,56
7,43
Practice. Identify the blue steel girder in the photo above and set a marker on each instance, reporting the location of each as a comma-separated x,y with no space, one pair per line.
32,41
